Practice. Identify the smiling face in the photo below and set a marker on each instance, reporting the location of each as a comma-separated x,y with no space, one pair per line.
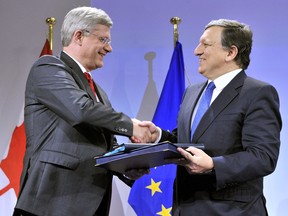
90,47
94,47
213,58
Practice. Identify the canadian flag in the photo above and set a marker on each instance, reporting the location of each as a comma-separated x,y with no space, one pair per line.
46,49
10,170
12,163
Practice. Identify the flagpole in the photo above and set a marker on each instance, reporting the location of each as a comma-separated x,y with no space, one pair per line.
50,21
175,21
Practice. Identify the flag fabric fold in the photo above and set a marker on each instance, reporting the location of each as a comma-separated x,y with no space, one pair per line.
46,50
153,194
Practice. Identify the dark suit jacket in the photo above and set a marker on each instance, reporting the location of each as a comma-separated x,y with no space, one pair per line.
241,131
66,128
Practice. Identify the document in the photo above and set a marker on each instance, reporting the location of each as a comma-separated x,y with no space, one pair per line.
137,156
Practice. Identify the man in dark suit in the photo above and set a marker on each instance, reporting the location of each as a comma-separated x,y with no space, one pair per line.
67,125
240,130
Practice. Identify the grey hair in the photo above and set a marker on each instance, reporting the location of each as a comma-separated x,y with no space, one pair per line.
82,18
237,34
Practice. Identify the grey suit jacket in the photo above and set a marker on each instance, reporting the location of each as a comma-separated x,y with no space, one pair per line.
241,131
66,128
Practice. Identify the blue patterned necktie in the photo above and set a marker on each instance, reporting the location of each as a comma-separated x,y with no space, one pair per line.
203,106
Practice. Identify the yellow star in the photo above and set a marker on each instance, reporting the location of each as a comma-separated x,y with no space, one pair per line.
154,187
164,211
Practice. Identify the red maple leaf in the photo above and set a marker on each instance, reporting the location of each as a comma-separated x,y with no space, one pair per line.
12,165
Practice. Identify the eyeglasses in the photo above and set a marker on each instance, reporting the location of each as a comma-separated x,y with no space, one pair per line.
103,40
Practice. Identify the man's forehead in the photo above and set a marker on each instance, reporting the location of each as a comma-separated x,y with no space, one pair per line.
101,27
212,34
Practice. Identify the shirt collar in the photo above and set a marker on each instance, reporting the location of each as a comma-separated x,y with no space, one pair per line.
222,81
78,63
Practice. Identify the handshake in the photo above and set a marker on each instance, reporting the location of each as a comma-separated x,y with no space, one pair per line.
145,132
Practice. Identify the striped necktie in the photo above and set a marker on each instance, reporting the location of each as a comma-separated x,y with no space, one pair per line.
203,106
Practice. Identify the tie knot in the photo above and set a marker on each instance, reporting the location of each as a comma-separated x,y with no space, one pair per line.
211,86
88,76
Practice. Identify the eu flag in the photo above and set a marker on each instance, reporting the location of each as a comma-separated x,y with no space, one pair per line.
153,194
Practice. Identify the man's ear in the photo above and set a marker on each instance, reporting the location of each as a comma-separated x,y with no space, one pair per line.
232,53
78,37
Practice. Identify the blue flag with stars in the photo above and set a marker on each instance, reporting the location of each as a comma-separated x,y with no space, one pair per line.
153,194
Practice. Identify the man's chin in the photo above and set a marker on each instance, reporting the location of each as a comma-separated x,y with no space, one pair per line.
99,65
201,71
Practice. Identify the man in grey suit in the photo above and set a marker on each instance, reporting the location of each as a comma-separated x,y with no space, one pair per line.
67,125
240,130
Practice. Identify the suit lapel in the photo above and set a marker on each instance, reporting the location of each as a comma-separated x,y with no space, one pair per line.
227,95
186,110
78,75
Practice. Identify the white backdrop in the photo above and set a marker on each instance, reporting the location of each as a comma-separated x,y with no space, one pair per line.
142,28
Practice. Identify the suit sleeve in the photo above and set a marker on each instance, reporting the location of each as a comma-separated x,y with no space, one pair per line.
57,89
260,141
168,136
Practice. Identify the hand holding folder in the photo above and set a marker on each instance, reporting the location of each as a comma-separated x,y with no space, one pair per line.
141,156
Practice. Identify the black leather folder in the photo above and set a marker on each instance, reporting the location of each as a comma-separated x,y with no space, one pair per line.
137,156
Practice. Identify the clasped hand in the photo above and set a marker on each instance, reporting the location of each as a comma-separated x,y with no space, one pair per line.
144,132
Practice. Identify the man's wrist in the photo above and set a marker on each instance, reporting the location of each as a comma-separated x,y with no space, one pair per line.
159,135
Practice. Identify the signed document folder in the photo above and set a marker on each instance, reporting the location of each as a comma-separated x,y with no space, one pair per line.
136,156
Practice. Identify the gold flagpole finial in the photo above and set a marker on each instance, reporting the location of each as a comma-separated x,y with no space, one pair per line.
51,21
175,21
